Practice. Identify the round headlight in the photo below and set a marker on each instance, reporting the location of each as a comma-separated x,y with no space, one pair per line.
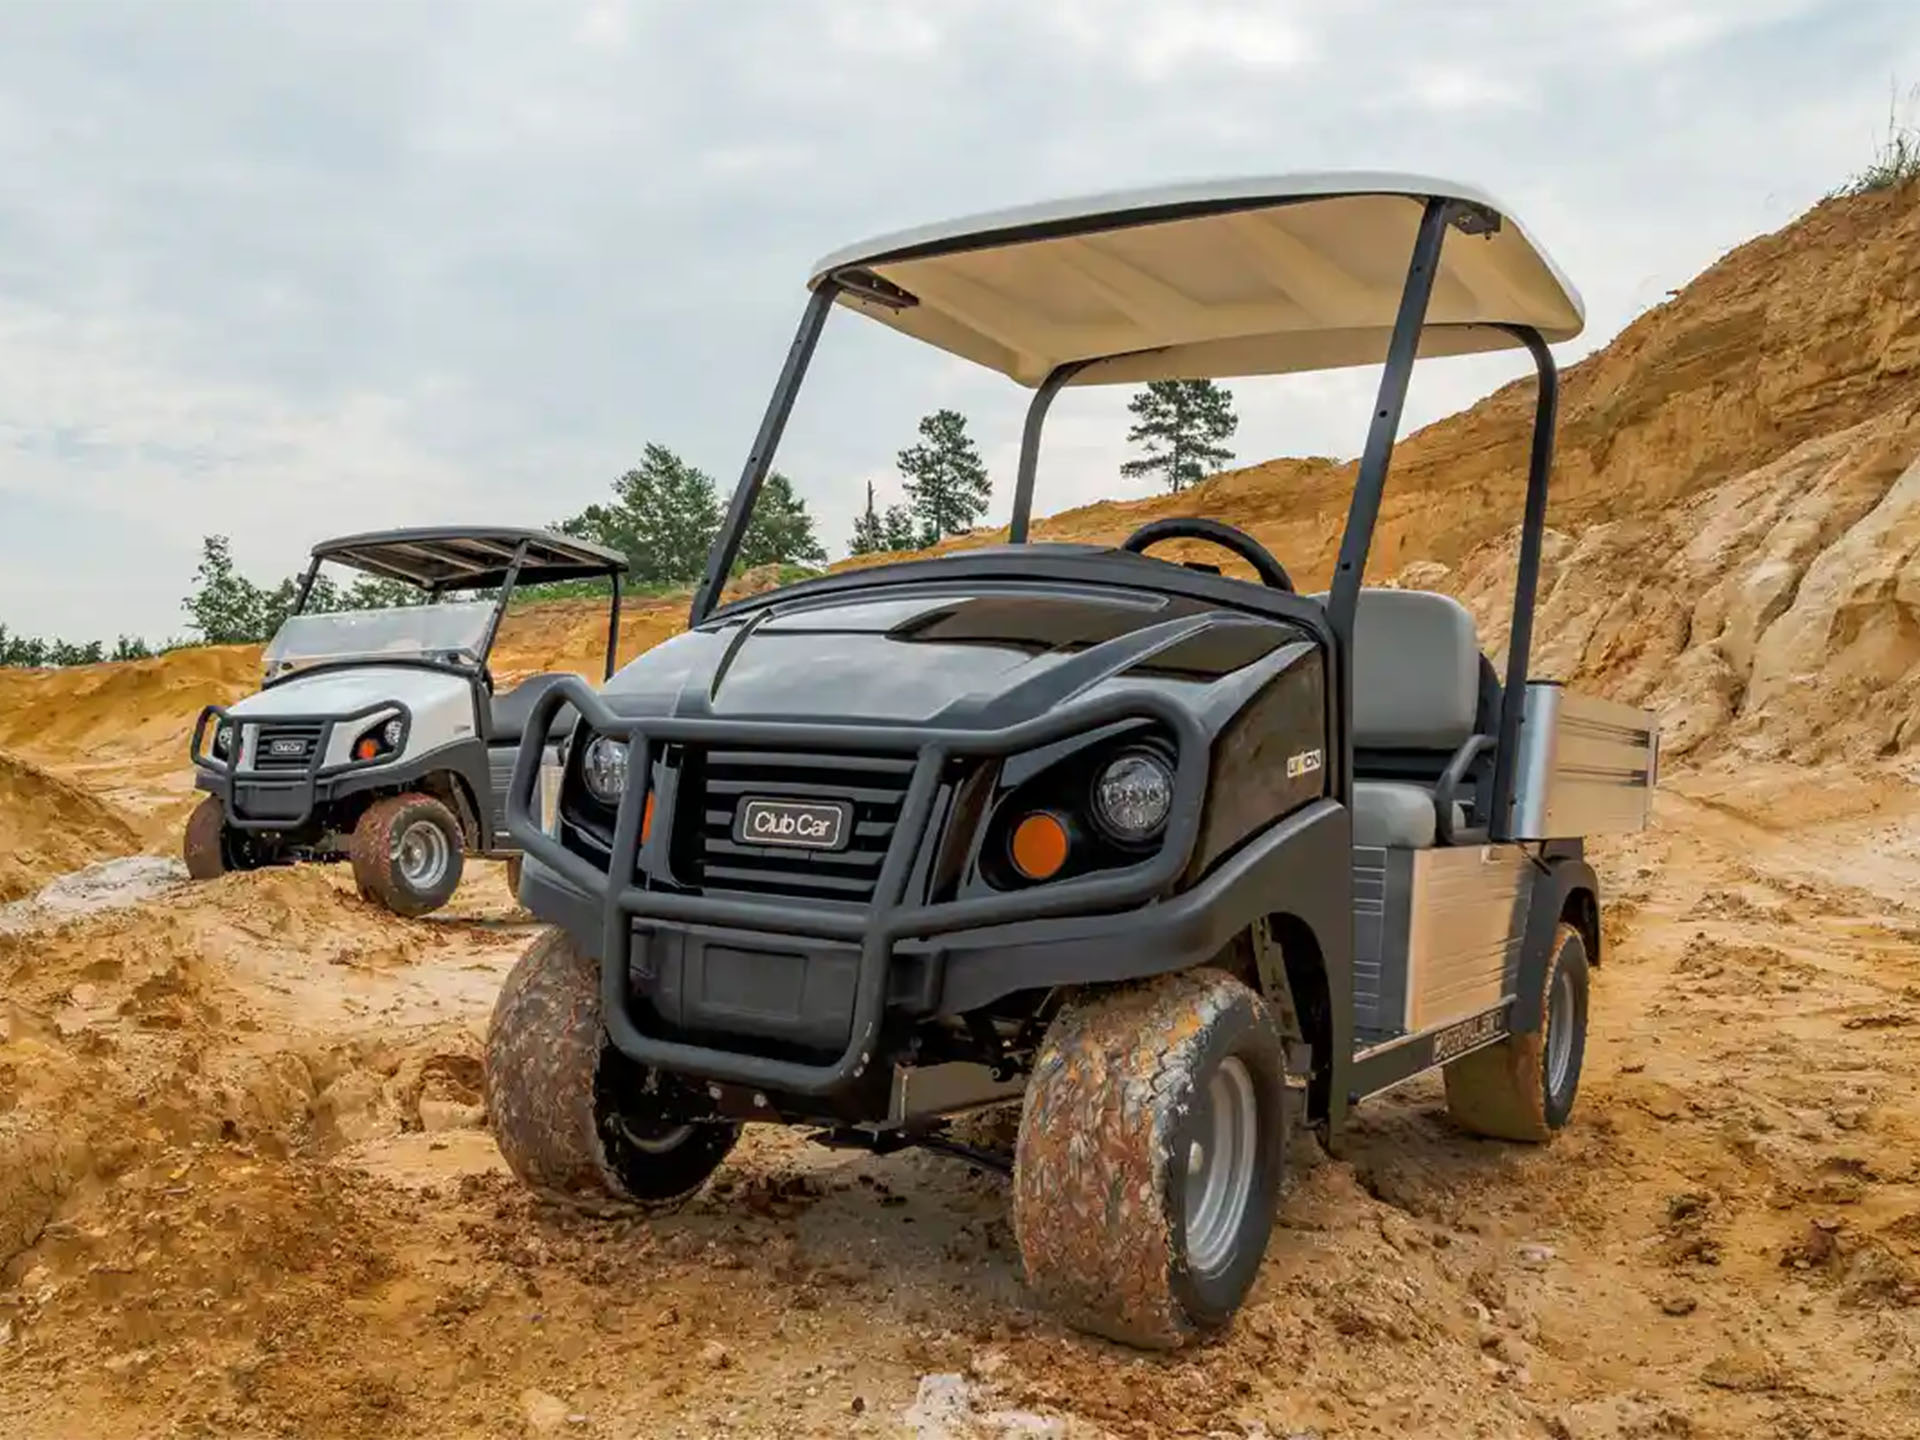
1133,796
392,731
222,738
603,765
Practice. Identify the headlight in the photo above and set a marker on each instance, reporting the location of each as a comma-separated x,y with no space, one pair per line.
1132,796
222,738
603,765
392,731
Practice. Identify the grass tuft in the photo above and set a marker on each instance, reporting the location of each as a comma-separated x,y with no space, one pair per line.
1896,159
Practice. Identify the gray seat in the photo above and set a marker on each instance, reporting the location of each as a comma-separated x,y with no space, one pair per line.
507,720
1398,813
1416,688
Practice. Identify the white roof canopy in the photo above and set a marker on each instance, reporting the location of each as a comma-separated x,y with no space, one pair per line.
1240,277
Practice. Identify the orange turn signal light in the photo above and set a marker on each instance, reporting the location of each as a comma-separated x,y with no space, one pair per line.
366,748
1039,846
646,819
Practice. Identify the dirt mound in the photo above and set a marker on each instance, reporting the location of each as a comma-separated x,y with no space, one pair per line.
49,827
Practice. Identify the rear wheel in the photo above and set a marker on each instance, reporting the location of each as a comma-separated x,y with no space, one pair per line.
407,853
574,1119
1150,1156
1524,1087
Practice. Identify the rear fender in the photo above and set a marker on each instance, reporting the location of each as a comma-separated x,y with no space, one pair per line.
1567,890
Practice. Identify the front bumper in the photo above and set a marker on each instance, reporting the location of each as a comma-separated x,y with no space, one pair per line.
285,798
844,968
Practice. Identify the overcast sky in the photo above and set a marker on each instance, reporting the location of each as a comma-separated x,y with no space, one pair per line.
284,268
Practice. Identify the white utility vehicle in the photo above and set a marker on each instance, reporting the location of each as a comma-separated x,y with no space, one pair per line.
377,735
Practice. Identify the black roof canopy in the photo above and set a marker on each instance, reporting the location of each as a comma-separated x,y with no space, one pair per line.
470,557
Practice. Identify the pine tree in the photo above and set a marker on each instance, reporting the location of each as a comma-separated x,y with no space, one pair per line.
896,529
663,517
224,606
780,531
946,482
868,536
1182,424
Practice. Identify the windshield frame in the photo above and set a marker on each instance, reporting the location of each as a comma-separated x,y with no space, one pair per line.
475,641
478,669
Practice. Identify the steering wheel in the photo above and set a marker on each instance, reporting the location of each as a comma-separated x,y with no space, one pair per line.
1191,527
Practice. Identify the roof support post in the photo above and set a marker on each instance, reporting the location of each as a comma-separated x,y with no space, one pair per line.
613,626
1526,583
500,605
306,586
733,530
1343,598
1030,446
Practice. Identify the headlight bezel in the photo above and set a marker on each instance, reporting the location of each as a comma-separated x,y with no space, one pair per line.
1105,823
1066,786
380,732
593,749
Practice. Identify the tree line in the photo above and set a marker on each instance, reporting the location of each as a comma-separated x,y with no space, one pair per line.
665,513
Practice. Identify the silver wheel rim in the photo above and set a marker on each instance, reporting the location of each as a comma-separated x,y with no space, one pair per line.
1560,1032
1220,1166
422,853
657,1144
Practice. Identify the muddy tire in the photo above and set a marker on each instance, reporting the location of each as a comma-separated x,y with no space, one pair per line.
575,1120
1524,1087
1150,1156
204,845
407,854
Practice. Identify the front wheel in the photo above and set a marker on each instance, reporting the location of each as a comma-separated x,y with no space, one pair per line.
407,854
211,848
1524,1087
575,1120
1150,1155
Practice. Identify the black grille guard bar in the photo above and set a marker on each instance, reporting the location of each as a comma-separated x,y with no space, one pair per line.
230,776
888,920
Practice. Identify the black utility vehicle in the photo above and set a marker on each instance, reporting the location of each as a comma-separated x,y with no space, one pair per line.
1180,858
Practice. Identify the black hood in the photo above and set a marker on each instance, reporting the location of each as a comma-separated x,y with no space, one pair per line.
943,654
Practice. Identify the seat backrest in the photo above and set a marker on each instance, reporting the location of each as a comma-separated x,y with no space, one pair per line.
1416,671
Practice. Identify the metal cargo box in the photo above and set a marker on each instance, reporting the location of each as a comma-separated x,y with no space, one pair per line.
1587,767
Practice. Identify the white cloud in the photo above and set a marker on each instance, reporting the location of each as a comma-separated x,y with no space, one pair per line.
464,257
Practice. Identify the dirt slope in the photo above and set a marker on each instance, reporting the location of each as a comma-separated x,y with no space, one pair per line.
49,826
245,1185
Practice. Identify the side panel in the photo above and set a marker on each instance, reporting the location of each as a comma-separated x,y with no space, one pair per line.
1381,890
1467,916
1586,766
500,762
1268,760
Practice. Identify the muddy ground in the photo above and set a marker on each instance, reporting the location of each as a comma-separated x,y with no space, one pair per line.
261,1198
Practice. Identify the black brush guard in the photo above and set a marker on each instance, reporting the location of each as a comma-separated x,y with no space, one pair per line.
228,777
888,919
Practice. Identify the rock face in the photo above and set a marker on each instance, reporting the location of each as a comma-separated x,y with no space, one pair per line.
1736,519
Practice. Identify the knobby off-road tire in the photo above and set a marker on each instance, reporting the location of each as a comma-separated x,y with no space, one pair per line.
1138,1096
204,845
407,854
561,1100
1524,1087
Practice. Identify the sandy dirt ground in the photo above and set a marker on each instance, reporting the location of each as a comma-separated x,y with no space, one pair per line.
254,1195
246,1186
